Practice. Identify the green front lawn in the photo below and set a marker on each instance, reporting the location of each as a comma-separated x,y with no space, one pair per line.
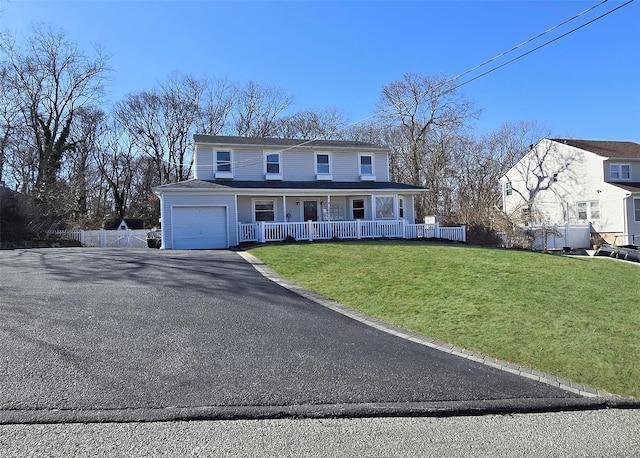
577,318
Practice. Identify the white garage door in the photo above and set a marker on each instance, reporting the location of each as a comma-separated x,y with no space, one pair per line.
199,227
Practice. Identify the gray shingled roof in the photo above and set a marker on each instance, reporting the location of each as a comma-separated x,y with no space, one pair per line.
292,185
622,150
282,142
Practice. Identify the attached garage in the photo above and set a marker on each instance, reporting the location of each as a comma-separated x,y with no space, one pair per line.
199,227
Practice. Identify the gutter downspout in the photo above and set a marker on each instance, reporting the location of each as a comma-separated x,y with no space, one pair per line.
625,219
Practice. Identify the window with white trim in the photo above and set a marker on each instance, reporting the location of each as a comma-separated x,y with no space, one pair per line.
366,167
223,164
508,188
588,211
636,209
273,169
384,207
620,171
401,207
264,210
336,212
323,166
357,207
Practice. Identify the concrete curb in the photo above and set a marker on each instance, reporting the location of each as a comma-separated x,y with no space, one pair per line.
318,411
533,374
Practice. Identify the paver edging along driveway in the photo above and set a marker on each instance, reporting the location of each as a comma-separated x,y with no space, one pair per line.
138,335
578,388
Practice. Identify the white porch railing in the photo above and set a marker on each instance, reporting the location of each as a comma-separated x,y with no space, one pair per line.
325,230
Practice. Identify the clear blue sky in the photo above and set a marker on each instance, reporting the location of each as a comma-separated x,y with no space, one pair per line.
341,53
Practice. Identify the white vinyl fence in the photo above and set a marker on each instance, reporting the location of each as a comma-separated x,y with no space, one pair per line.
102,238
552,237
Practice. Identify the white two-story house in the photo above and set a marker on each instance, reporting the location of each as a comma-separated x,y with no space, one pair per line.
566,181
265,189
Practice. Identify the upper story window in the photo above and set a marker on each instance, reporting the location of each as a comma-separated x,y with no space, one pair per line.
223,164
620,171
273,167
588,211
323,166
508,188
366,167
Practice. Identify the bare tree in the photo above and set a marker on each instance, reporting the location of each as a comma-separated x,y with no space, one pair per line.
162,121
116,161
51,79
144,203
512,141
140,115
325,124
80,170
9,119
257,109
476,195
216,105
419,105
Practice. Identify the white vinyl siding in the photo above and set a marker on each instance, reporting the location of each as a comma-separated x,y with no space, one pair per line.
343,167
248,165
298,166
203,163
244,163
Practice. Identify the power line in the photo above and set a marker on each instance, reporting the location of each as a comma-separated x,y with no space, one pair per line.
543,45
250,162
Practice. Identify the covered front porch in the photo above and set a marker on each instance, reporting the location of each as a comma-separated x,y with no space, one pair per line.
263,231
343,214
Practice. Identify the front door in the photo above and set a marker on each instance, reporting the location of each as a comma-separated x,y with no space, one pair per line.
310,210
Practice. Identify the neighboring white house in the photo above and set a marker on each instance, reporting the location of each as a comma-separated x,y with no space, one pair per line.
565,181
312,189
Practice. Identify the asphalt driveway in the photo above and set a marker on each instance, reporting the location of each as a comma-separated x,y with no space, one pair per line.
126,335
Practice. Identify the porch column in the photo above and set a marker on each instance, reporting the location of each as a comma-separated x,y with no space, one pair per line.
373,207
284,209
396,206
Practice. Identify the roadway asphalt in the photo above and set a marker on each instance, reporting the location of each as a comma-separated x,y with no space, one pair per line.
97,335
601,433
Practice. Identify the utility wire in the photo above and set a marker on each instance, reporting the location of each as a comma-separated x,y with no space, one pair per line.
543,45
250,162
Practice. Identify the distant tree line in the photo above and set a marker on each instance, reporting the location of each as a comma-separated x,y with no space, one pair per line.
79,163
